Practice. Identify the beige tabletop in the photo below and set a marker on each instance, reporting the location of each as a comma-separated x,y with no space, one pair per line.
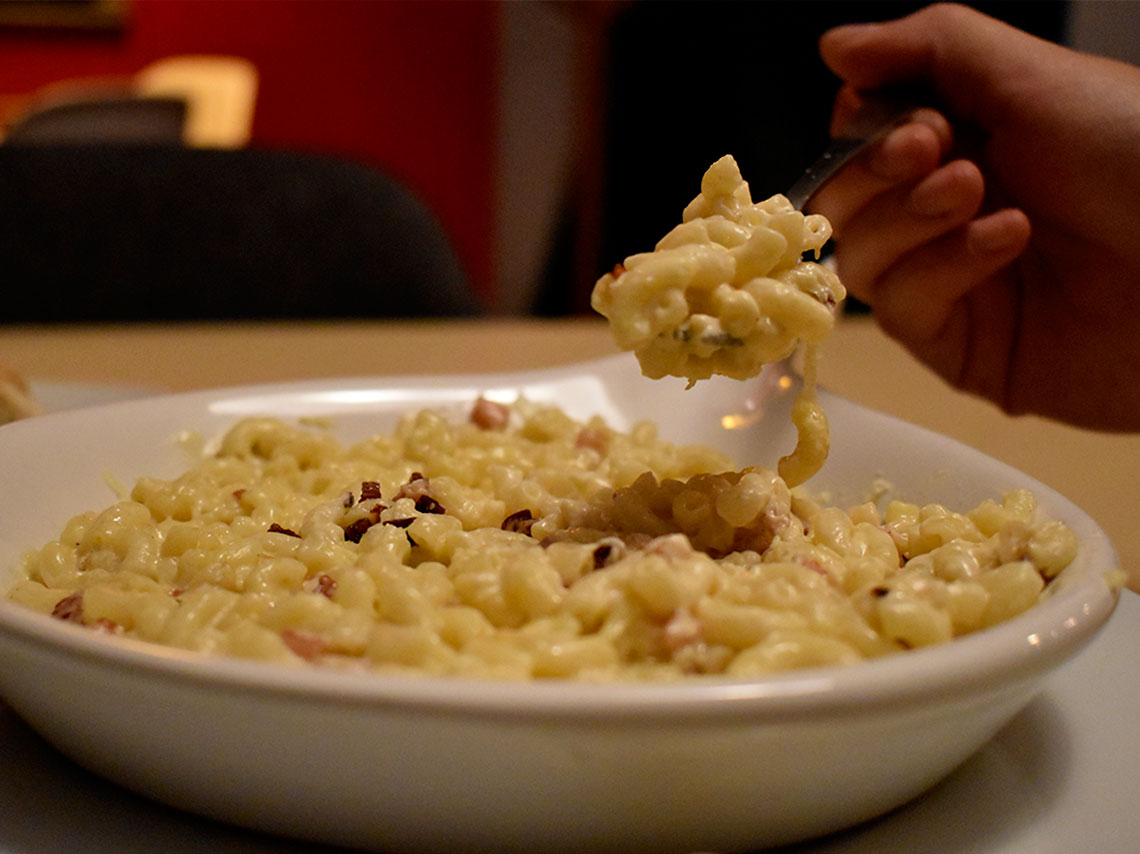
1097,471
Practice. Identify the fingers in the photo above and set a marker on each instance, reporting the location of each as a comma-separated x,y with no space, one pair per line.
910,240
898,222
869,56
915,297
903,156
849,101
968,58
1001,235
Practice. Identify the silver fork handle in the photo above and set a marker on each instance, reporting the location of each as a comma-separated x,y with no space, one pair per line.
880,113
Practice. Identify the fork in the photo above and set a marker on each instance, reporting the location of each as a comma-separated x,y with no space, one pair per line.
881,112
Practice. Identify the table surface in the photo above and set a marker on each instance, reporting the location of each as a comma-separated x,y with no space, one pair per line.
1097,471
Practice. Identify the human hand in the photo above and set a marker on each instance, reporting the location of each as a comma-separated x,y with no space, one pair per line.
999,239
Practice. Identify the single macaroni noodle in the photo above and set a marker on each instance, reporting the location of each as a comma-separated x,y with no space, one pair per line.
518,543
726,292
16,399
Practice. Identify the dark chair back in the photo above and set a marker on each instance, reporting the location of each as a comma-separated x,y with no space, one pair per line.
112,119
116,232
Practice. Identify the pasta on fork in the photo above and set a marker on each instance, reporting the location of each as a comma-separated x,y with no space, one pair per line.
728,291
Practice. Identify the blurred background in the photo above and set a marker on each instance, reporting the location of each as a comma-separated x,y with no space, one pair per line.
181,159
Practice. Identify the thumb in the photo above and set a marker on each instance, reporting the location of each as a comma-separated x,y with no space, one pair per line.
971,61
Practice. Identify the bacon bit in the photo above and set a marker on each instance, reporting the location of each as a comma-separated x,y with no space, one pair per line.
175,592
519,522
416,487
348,499
618,271
592,437
489,415
326,586
70,608
355,531
608,551
672,547
369,489
308,647
427,504
277,529
238,493
682,629
880,592
812,564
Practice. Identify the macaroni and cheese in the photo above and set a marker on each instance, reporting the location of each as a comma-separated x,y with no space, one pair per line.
519,543
726,292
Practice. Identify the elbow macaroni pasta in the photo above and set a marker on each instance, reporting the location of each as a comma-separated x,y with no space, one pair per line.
726,292
522,544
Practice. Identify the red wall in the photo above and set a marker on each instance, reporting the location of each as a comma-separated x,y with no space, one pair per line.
409,87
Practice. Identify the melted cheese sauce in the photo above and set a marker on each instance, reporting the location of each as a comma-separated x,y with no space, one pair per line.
728,291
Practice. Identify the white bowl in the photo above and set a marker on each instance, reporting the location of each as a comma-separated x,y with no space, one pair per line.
407,764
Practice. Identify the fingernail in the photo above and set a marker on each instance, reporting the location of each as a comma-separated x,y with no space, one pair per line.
896,158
